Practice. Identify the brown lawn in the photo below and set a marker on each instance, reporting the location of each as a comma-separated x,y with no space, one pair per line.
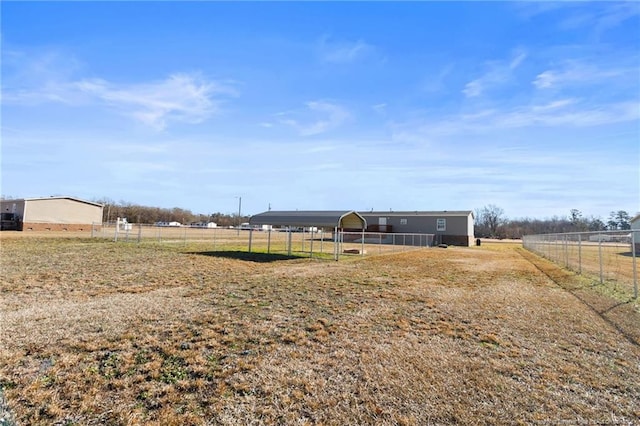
96,332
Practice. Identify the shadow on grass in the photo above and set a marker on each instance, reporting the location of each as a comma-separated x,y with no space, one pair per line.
628,254
620,314
249,257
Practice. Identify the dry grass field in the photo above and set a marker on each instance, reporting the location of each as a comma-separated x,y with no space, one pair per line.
97,332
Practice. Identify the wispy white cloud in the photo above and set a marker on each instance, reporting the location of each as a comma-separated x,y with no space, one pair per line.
529,10
48,92
571,15
342,52
46,78
379,108
601,16
554,105
318,117
561,113
498,73
321,148
181,97
132,148
580,72
545,79
435,82
24,69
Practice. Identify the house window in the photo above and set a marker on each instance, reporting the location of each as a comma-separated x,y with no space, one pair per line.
441,224
403,221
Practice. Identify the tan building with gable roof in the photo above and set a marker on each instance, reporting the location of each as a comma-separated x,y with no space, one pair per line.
54,213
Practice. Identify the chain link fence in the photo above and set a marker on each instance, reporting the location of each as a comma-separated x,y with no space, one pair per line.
291,242
609,257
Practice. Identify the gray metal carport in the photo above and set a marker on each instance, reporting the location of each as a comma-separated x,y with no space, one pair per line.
335,220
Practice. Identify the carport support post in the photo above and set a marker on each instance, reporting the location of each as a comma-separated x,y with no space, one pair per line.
335,243
289,242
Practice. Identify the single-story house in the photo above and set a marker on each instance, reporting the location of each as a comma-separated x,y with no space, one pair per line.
448,227
203,225
54,213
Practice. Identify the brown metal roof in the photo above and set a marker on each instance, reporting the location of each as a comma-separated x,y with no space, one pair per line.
419,213
319,218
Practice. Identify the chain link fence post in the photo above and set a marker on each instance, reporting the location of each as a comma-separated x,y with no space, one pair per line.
635,269
269,240
579,253
600,259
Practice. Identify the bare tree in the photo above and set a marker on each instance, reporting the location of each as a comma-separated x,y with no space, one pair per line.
489,219
577,221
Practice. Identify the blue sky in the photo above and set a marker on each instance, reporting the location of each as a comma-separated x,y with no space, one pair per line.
533,107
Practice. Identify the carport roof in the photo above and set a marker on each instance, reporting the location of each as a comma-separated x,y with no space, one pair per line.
319,218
